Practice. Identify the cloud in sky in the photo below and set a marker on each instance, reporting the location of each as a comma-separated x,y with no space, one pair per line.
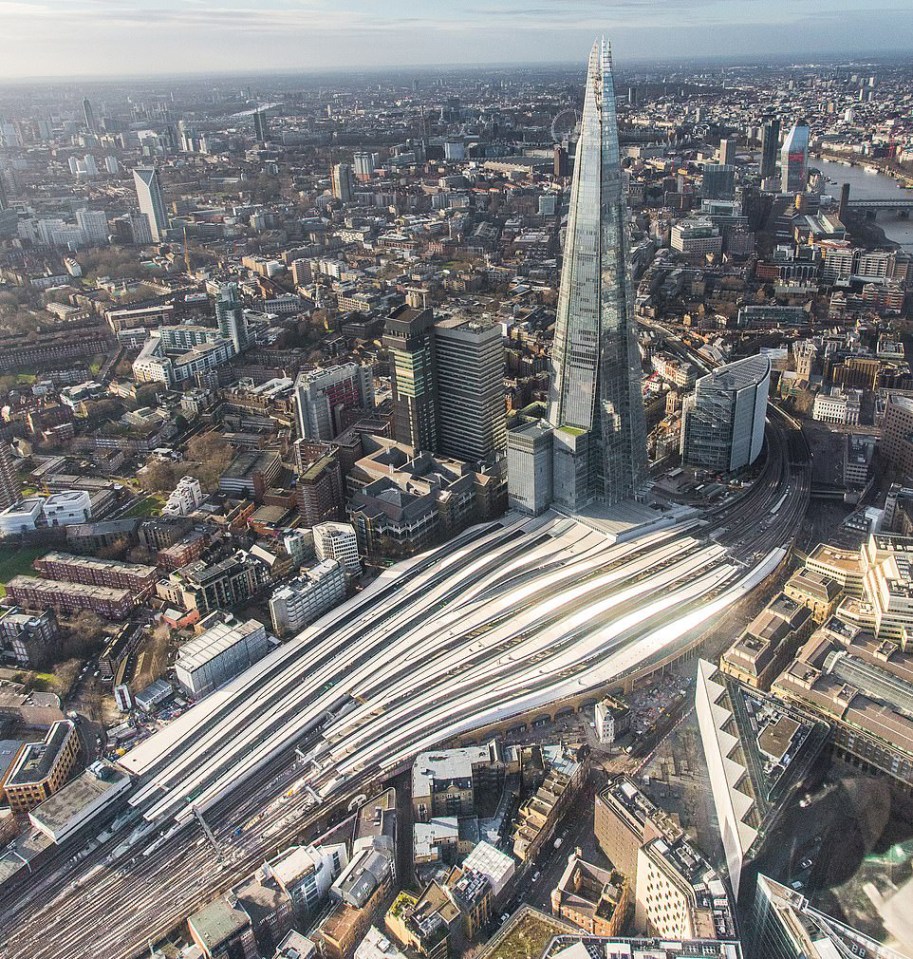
98,37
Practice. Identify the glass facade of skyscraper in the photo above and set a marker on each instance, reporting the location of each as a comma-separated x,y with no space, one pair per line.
595,390
794,160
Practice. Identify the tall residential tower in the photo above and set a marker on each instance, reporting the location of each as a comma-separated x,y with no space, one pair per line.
594,403
343,182
89,115
10,485
151,200
230,317
261,130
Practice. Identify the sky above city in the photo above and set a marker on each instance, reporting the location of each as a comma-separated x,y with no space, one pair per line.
117,37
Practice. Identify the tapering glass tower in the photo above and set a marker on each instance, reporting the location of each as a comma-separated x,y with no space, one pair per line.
595,402
151,200
794,159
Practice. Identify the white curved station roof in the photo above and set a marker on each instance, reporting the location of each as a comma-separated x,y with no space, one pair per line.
508,616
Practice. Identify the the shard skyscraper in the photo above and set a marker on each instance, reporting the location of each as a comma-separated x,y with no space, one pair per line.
595,406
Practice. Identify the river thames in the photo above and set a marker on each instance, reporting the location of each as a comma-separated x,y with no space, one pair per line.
872,186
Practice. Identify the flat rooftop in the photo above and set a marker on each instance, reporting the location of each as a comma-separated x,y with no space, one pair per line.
624,520
445,766
217,922
53,587
846,560
249,462
94,563
214,642
85,790
593,947
374,817
37,759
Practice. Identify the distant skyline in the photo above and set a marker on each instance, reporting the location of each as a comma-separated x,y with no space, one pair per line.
72,38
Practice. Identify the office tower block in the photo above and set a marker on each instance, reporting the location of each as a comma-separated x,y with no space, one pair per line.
469,361
529,467
9,224
89,115
111,165
4,199
261,130
770,145
140,229
230,317
723,420
299,602
337,541
94,225
727,151
302,274
561,165
365,165
151,200
10,486
844,202
75,165
343,182
90,165
548,204
719,181
325,399
321,488
409,338
594,400
454,150
794,159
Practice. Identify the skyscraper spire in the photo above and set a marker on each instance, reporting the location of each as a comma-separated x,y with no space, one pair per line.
595,403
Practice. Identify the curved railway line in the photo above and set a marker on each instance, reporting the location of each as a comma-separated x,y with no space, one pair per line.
509,616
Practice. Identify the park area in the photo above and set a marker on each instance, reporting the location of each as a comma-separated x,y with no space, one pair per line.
17,561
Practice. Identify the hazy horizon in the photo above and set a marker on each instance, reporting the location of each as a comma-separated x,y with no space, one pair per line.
109,39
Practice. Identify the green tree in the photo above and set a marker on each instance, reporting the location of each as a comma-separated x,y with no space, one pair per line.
157,477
